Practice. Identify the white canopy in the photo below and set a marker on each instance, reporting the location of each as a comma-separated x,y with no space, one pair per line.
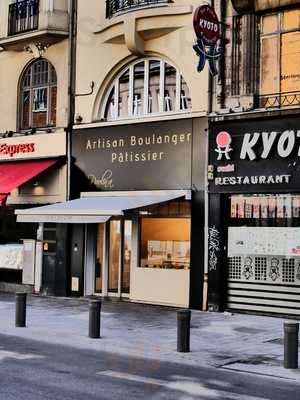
97,207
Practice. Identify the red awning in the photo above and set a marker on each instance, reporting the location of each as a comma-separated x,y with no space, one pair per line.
15,174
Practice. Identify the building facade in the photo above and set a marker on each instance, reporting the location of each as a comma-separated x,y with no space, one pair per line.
33,151
253,171
139,150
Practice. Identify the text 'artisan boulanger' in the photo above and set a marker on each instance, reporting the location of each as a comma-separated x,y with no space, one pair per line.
133,141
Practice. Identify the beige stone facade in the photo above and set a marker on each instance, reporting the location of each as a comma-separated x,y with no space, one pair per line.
106,45
26,34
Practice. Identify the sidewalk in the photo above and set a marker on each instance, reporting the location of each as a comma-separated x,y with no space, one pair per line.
250,344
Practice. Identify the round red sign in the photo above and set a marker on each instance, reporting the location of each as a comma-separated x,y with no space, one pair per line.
223,139
206,25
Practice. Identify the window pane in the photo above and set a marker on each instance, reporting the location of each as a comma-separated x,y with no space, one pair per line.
114,256
290,63
53,99
124,109
40,99
53,77
270,24
40,107
138,91
127,257
154,85
165,243
111,109
170,88
40,73
26,109
27,79
185,100
270,65
291,19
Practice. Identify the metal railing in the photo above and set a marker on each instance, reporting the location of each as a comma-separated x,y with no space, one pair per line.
278,100
23,16
115,6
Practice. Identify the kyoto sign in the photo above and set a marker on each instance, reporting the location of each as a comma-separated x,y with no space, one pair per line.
207,29
135,157
261,155
206,25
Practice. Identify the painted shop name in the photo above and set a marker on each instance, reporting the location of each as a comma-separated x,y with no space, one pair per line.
253,180
285,145
14,149
136,149
137,141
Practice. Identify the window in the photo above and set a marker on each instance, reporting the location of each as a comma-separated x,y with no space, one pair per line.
280,58
165,243
38,95
146,87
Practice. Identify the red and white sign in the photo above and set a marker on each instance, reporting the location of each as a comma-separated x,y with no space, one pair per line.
223,141
18,148
36,146
206,25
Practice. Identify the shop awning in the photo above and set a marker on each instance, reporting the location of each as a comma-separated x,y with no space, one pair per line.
97,208
16,173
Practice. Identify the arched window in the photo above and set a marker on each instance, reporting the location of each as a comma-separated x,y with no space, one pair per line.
38,95
146,87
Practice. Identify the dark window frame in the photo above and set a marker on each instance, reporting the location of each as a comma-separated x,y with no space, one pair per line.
39,75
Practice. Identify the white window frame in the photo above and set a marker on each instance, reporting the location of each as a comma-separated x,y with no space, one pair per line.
144,110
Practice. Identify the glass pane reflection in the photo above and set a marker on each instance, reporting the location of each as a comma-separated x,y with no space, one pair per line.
154,85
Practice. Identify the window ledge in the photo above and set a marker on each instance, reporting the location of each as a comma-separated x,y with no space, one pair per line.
161,117
149,23
255,113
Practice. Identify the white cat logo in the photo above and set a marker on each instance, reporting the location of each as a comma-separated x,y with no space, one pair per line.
223,140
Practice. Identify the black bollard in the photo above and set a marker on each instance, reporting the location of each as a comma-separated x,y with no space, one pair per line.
291,330
183,331
94,319
21,310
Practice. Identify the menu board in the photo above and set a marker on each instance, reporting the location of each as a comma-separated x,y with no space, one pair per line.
279,241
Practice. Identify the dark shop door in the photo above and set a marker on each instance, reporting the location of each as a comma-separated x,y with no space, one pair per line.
77,260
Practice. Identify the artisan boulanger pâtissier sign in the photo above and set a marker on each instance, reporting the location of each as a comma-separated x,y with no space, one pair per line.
254,155
138,156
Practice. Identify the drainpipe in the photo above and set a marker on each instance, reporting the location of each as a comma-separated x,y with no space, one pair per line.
206,196
210,81
72,4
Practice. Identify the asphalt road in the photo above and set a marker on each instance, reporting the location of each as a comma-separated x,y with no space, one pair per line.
35,370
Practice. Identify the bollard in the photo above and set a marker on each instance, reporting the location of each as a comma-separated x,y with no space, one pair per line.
21,310
183,331
291,330
94,319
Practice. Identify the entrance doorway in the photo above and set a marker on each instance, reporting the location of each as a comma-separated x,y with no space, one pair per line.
113,258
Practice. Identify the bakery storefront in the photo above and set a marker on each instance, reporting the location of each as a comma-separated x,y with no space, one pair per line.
136,189
254,216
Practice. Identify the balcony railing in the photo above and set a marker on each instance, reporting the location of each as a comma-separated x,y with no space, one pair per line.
278,100
115,6
23,16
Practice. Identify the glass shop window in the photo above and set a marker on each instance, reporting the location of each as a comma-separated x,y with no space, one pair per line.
165,243
280,58
264,239
149,86
276,209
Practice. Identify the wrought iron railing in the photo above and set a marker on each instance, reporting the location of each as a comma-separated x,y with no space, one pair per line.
115,6
23,16
278,100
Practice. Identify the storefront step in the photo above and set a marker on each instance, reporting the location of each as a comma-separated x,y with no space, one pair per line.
13,288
